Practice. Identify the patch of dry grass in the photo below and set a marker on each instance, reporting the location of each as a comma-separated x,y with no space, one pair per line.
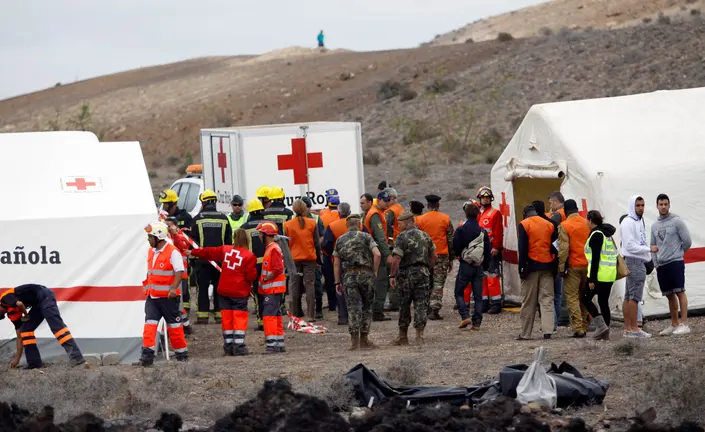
334,388
405,372
676,389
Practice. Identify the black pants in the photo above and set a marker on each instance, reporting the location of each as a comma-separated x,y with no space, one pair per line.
47,309
329,277
469,274
185,289
602,290
206,275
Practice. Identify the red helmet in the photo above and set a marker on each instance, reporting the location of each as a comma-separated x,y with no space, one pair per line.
485,191
268,228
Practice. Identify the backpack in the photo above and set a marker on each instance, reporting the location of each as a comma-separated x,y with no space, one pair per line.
474,253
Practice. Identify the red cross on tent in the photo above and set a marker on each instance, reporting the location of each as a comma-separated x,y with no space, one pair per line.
81,184
300,161
584,211
222,161
504,209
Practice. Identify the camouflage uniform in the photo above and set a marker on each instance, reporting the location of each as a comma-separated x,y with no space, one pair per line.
438,281
415,248
354,249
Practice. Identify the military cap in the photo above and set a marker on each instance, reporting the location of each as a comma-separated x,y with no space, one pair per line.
353,216
432,199
416,206
237,199
405,216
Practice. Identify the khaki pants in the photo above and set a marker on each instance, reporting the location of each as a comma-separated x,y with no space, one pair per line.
573,286
537,288
304,284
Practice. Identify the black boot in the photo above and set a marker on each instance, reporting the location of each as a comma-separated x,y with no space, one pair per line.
240,350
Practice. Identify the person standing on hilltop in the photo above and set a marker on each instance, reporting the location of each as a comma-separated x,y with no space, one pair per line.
321,45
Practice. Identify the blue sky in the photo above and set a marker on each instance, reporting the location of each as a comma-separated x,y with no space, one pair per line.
43,42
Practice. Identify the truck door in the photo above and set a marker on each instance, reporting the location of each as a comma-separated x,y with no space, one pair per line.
222,171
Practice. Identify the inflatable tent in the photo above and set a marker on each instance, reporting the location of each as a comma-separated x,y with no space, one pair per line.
599,152
73,221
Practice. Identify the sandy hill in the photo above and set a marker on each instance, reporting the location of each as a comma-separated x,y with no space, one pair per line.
434,118
554,15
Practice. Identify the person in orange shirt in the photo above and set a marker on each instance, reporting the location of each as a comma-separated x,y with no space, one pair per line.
536,266
272,286
572,265
306,251
439,227
491,220
325,218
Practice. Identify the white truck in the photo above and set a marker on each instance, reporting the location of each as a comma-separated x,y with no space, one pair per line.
303,159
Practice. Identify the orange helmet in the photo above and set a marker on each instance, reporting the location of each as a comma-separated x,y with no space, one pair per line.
485,191
268,228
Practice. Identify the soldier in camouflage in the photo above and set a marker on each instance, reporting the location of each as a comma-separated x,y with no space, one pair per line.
414,255
360,259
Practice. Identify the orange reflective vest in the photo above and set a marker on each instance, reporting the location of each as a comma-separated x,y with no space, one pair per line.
328,216
435,224
560,211
278,284
397,209
160,273
368,220
539,231
13,313
301,239
578,232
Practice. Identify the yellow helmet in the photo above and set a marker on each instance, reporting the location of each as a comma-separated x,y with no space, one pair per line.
276,193
168,196
262,192
208,195
254,205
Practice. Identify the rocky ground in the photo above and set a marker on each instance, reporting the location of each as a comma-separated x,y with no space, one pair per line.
664,372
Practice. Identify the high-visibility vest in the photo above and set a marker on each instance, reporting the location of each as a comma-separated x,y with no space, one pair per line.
368,220
253,240
578,232
276,285
235,224
539,231
560,211
328,216
13,313
301,239
607,272
160,274
435,224
397,209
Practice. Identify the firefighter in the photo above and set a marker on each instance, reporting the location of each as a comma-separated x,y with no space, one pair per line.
210,228
262,194
327,216
239,272
272,286
238,216
255,211
42,304
169,199
277,211
491,220
165,268
178,239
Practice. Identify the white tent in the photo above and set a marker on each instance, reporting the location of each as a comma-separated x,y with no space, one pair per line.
599,152
73,219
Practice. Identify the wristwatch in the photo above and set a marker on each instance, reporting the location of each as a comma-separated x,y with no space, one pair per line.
337,283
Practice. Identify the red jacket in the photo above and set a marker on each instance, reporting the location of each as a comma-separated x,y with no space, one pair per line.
239,268
491,220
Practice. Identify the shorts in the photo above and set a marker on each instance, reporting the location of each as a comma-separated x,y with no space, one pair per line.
635,280
671,277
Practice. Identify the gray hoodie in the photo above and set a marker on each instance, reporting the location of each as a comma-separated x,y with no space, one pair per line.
672,237
633,234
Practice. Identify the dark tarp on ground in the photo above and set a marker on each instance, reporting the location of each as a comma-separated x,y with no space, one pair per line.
573,389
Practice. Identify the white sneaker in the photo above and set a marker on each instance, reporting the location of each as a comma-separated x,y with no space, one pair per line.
668,331
642,334
681,330
629,334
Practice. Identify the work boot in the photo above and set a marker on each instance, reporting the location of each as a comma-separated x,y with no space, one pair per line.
260,327
319,315
602,332
419,336
435,316
365,343
380,317
455,307
495,308
218,320
485,306
342,322
281,349
354,341
271,350
240,350
142,363
182,357
228,349
579,334
188,330
201,320
464,323
403,338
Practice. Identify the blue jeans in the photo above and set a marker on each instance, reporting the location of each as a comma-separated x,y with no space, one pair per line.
469,274
557,297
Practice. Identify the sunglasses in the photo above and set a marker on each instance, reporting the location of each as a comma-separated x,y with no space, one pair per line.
236,205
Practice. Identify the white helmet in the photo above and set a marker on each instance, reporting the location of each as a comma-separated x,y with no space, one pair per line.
158,230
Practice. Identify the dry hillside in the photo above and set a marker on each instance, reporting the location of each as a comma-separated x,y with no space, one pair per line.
434,117
554,15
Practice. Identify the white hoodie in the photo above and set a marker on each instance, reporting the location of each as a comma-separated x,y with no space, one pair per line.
633,233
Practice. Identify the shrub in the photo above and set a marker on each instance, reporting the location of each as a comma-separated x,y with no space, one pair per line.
405,372
504,37
173,160
440,86
626,348
224,120
663,19
646,20
407,94
371,158
334,388
469,40
390,89
546,31
414,130
695,12
153,174
676,388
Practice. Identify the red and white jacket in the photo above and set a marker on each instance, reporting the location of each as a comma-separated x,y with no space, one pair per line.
239,268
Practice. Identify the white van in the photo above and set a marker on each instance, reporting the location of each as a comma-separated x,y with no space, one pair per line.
189,189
